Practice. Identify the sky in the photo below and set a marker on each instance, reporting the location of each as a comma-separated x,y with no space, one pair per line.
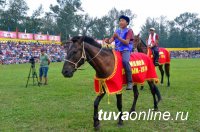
142,8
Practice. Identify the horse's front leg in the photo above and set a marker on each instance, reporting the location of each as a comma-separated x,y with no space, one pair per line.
96,104
119,106
136,94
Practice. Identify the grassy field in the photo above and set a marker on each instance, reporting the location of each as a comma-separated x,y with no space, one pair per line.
67,104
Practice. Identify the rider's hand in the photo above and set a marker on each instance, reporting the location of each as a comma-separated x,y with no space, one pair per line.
106,40
151,45
115,35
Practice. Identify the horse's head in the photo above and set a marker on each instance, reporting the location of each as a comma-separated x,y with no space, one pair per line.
137,40
75,56
139,44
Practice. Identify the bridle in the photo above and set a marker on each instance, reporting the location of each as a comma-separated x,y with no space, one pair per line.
83,56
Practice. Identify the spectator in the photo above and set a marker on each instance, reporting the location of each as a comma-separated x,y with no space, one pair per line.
44,66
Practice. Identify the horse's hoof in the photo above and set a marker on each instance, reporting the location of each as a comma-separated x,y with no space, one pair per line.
96,125
168,84
155,109
96,128
162,84
120,124
160,99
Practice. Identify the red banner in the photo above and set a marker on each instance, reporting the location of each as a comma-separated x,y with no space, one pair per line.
25,36
142,69
29,36
164,56
40,37
54,38
6,34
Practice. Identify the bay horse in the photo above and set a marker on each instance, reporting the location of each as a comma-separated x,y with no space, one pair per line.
82,49
140,45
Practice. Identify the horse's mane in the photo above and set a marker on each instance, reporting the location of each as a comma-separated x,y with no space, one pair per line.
88,40
91,41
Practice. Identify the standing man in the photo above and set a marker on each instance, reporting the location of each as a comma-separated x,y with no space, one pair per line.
152,42
44,66
123,38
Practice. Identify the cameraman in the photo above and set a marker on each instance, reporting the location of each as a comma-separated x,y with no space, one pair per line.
44,66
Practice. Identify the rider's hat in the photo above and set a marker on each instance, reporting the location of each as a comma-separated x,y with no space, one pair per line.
152,29
125,18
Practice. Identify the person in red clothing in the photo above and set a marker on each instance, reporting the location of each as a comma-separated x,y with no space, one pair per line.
152,43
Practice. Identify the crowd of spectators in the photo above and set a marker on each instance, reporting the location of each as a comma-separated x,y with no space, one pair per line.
185,54
17,53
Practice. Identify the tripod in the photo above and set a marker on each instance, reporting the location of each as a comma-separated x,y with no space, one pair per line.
34,75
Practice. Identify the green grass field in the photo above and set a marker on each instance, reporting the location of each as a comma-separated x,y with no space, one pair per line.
67,104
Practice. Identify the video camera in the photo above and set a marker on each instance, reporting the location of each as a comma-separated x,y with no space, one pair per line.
32,60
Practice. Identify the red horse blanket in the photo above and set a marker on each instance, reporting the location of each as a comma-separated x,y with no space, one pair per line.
164,55
142,69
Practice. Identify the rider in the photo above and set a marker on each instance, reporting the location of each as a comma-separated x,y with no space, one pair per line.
152,43
123,38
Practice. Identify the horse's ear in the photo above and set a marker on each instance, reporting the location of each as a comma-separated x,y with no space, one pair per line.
78,39
138,35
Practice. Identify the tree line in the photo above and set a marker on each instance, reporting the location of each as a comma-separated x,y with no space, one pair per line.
183,31
68,18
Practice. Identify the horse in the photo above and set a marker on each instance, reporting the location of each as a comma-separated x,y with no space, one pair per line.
84,48
140,45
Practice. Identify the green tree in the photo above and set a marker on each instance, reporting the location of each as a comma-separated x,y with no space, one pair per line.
150,22
163,31
113,19
2,3
186,23
34,22
174,39
83,24
49,24
100,28
14,14
65,14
